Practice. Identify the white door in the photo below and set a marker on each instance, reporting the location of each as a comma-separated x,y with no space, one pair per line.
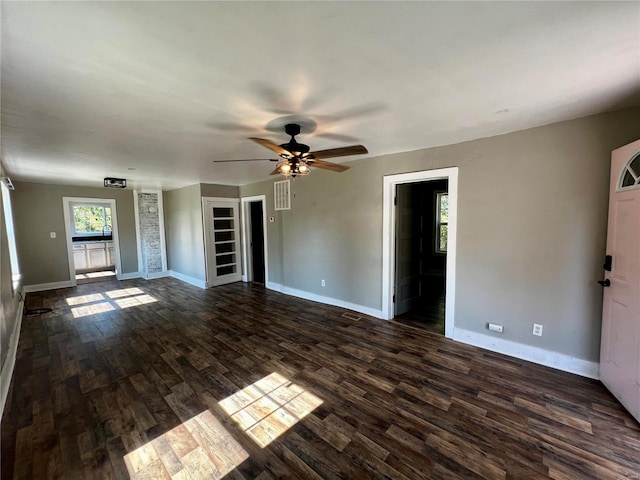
222,240
620,347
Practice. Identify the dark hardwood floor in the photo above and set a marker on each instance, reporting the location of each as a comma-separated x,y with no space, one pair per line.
428,314
159,379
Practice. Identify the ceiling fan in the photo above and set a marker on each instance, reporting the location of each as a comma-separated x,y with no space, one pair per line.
296,159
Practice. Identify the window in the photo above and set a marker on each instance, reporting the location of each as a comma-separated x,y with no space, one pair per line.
631,173
91,220
11,236
442,221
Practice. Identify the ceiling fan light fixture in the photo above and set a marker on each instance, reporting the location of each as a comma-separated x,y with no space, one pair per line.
284,168
293,168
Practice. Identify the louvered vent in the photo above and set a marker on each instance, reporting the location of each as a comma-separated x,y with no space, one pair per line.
282,195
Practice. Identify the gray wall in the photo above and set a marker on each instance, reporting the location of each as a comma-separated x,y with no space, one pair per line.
38,210
224,191
9,301
532,212
184,231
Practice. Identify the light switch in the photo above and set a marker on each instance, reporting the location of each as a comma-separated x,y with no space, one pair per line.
52,234
272,219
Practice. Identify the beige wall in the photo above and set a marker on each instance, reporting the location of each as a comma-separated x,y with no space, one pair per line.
223,191
532,211
38,211
184,231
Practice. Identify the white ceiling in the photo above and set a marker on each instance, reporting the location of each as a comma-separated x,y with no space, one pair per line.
154,92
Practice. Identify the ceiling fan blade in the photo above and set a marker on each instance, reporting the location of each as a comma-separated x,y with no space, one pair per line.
275,172
334,167
248,160
340,152
271,146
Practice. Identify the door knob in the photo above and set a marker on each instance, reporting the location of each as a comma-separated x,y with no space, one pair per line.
605,283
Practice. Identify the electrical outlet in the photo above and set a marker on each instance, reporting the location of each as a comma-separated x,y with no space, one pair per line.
322,282
52,234
495,327
537,329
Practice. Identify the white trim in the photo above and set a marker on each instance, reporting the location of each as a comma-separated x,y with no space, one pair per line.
247,271
388,239
66,205
10,361
41,287
163,241
529,353
213,280
129,276
186,278
152,275
136,219
326,300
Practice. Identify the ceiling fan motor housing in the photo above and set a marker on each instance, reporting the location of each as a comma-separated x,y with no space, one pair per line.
294,147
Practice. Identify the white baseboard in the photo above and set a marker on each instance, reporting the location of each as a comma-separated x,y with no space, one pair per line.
153,275
559,361
128,276
41,287
10,361
186,278
327,300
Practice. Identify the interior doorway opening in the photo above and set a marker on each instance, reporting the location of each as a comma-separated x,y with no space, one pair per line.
389,227
421,253
257,242
254,240
91,230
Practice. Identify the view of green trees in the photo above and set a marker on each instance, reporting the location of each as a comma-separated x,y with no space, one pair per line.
443,209
92,219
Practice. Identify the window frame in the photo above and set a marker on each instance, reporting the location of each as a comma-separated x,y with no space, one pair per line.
9,225
76,233
438,222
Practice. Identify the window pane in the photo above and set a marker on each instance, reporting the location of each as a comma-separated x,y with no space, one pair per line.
444,208
444,231
91,219
222,212
107,219
635,165
628,180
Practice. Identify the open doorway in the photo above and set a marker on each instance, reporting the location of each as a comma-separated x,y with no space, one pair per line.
254,239
416,266
92,239
421,253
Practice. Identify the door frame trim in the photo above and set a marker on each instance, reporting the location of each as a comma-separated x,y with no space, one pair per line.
66,206
247,271
209,282
389,234
163,240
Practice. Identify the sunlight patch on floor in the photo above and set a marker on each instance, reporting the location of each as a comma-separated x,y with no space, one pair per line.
124,292
94,297
92,309
95,303
200,448
269,407
134,301
106,273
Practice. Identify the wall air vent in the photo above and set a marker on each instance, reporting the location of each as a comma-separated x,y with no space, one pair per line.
115,182
281,193
7,183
